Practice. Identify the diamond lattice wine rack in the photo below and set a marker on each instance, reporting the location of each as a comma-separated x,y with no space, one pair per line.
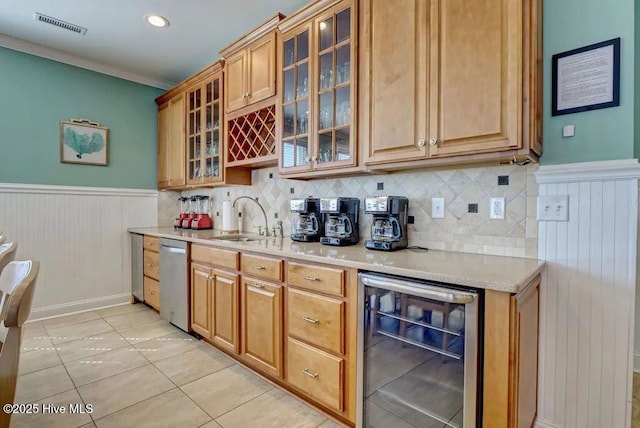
252,138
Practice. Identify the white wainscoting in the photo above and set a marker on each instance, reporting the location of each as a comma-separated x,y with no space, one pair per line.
588,295
79,236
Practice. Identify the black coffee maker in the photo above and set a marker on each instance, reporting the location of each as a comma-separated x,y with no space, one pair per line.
389,225
309,226
340,217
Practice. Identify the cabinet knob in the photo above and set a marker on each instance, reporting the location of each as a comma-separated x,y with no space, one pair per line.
313,158
257,285
209,277
421,142
433,141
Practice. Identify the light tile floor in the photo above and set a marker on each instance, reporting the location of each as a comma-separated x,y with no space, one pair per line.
137,370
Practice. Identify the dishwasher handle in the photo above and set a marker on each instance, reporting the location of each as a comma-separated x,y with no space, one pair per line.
174,249
440,294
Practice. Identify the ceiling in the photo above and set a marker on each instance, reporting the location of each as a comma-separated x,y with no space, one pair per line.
120,42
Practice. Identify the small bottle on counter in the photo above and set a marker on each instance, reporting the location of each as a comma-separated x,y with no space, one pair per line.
239,222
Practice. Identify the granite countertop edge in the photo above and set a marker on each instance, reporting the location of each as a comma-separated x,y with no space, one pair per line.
489,275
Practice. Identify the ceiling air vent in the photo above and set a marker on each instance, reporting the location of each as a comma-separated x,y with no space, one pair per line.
60,23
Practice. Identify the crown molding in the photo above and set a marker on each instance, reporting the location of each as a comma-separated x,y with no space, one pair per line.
623,169
48,189
63,57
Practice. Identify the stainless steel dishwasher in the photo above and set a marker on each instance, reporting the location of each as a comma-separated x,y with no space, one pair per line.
174,282
417,352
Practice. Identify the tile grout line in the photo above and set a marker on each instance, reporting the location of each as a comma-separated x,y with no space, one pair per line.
241,404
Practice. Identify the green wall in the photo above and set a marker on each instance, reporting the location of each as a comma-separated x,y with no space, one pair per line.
600,134
36,94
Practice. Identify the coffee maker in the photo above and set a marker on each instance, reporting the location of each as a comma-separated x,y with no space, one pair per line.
184,208
203,220
309,226
389,225
340,216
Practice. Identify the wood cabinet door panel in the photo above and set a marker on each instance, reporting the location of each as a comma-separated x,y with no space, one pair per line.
396,64
475,83
261,62
201,300
317,373
316,319
151,243
151,292
163,146
235,86
151,264
526,327
262,325
224,316
176,151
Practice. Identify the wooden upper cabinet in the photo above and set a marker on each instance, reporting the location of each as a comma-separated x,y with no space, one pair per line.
476,76
317,74
204,131
235,81
171,143
250,66
261,69
450,78
395,79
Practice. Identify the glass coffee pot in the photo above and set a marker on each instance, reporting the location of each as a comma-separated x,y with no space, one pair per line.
385,229
305,224
338,226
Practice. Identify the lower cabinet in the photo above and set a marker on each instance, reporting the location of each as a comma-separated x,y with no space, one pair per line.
214,305
201,299
224,306
262,325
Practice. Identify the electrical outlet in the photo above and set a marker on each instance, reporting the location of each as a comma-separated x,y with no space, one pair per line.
437,207
271,175
496,208
503,180
292,190
553,208
411,219
472,208
380,186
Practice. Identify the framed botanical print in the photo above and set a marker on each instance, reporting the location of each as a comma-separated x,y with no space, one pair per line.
84,142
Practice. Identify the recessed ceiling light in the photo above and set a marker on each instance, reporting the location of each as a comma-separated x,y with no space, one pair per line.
157,20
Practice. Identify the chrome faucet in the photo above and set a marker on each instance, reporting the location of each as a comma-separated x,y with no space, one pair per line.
266,224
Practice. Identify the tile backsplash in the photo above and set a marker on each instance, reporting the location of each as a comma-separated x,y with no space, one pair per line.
459,230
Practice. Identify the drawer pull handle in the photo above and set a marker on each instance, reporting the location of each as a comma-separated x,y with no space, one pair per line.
258,267
310,320
310,278
209,277
308,373
149,264
257,285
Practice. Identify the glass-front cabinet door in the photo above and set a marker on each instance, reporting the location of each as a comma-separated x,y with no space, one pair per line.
204,128
317,74
296,87
335,112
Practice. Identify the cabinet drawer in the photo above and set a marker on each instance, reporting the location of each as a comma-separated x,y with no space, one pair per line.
317,278
223,258
151,243
316,319
262,267
152,292
318,374
151,264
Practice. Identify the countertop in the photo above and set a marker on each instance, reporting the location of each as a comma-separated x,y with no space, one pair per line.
507,274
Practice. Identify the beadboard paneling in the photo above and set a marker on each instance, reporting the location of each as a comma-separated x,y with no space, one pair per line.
587,303
79,236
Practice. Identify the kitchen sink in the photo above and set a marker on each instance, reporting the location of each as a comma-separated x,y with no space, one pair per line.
238,238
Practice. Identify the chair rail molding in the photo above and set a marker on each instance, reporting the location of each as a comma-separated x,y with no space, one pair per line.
588,295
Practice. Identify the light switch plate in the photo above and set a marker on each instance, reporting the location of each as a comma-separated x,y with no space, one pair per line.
437,207
553,208
496,208
569,131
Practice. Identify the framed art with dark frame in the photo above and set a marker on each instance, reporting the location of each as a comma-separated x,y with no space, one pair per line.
587,78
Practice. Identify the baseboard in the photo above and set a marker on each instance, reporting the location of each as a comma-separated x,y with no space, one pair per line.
541,423
79,306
